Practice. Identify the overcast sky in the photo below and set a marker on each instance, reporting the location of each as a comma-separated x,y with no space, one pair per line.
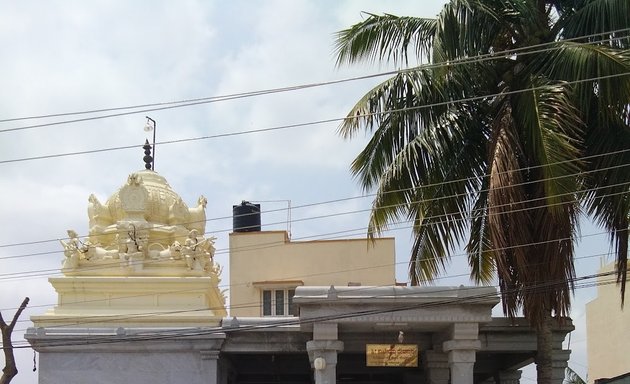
69,56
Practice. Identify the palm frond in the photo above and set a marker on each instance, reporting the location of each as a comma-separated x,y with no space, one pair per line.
607,185
598,17
606,69
481,256
509,225
532,203
572,100
552,131
384,37
389,110
468,28
604,107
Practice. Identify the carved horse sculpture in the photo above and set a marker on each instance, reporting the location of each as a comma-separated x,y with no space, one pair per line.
158,252
197,215
98,213
95,252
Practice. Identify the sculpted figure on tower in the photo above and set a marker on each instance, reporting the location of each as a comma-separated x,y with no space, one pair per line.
144,228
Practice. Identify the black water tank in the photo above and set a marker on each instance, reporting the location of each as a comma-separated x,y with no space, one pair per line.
246,217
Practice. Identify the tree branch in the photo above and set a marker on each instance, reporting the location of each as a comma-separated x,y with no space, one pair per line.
10,369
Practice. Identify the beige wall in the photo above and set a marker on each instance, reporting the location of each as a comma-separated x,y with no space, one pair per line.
265,259
607,331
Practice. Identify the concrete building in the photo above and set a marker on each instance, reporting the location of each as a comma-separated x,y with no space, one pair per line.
266,268
140,302
607,330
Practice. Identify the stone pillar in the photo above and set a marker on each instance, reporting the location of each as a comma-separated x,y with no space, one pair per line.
322,352
209,366
462,352
559,363
436,367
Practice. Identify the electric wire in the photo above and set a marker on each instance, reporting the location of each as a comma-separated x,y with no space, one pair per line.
23,243
138,112
555,45
114,263
328,273
472,213
311,123
288,278
188,332
448,277
421,187
545,285
101,319
453,256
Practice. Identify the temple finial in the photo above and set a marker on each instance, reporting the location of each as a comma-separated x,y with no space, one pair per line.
148,159
150,126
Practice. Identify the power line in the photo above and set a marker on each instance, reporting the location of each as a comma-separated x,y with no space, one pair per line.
259,246
249,248
151,107
305,124
434,199
491,55
356,269
198,331
122,317
138,112
545,285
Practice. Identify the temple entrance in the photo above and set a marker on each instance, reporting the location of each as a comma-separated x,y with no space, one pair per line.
276,368
294,368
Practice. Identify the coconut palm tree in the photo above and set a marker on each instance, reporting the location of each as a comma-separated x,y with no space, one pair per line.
518,123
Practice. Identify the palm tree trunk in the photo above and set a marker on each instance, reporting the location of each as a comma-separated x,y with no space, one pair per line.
544,337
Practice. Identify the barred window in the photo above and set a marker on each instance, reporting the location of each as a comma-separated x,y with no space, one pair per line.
278,302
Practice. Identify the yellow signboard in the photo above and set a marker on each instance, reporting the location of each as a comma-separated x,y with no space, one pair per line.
391,355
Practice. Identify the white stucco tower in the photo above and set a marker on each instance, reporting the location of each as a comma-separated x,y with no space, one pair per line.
139,293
